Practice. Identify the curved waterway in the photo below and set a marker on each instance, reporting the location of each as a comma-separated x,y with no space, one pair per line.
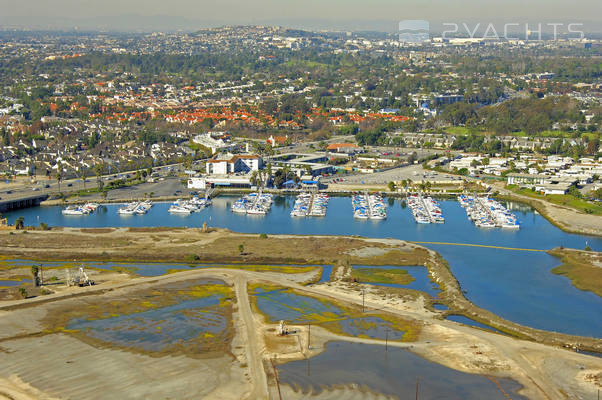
516,285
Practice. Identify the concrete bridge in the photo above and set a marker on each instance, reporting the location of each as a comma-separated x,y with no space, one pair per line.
17,203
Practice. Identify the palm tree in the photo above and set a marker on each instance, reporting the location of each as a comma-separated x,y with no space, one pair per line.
19,223
98,172
59,174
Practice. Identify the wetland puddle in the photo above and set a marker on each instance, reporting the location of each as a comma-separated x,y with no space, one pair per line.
192,317
392,373
280,304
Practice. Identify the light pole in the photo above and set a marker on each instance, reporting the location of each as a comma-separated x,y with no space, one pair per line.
363,300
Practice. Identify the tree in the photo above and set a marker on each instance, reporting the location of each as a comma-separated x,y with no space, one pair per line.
391,186
59,174
35,273
241,248
98,168
19,223
308,170
23,292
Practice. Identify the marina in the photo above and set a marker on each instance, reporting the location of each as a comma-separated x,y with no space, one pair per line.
368,206
425,210
253,203
488,213
310,205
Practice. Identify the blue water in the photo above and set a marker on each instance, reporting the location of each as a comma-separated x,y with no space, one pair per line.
326,271
516,285
393,372
471,322
156,329
440,307
421,281
293,308
12,283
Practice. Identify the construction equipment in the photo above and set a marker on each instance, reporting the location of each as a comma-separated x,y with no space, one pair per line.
81,279
282,329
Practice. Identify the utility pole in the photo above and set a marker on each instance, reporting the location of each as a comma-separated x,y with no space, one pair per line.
386,339
363,300
417,388
308,335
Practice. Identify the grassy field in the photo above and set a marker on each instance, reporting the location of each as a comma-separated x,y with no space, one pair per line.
584,269
378,275
194,246
563,200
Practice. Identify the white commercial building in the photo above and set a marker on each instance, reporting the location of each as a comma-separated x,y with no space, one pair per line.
230,164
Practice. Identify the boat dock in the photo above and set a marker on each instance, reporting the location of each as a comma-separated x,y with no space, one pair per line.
425,210
368,206
253,203
488,213
310,204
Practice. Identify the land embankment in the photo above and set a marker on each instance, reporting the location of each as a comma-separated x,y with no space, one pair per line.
565,218
184,245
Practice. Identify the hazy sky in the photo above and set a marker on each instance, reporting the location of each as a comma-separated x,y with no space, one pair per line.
287,11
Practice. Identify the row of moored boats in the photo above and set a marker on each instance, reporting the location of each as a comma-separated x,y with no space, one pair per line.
85,209
368,206
310,205
135,208
195,204
488,213
425,210
253,203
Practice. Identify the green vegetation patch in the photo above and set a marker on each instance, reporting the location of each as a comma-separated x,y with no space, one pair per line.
397,276
584,269
563,200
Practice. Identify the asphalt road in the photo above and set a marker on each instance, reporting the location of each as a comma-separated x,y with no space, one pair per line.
25,188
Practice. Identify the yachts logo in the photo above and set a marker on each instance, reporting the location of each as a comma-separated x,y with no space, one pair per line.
414,31
512,31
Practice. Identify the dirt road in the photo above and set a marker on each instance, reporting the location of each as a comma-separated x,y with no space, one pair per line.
258,376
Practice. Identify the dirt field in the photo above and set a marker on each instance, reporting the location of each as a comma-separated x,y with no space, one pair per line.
194,245
40,358
38,363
